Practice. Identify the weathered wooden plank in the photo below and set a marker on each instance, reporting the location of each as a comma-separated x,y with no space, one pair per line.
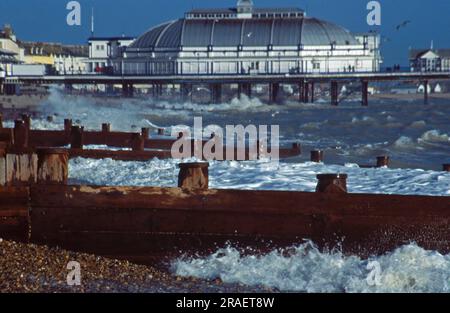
2,168
21,168
239,201
14,213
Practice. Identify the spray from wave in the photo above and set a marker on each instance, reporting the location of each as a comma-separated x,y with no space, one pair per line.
305,269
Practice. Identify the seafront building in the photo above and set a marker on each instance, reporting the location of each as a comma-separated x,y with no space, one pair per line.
429,60
102,52
249,40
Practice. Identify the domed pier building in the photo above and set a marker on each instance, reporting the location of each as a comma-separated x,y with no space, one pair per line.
249,40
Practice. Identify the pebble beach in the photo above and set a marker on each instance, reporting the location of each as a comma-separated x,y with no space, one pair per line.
27,268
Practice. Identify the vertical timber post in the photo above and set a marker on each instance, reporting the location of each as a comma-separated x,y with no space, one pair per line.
193,176
317,156
53,166
301,92
274,90
313,92
334,93
332,183
77,137
365,93
425,92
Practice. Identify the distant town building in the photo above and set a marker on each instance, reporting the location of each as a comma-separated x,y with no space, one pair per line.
429,60
248,40
102,51
64,59
10,50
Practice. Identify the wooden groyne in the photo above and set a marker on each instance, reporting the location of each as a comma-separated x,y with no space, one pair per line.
137,146
143,223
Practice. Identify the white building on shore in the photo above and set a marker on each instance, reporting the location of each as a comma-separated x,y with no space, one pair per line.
249,40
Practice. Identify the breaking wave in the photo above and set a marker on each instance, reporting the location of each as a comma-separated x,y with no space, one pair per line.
304,268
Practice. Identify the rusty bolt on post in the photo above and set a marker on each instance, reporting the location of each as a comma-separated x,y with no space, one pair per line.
332,183
317,156
383,161
193,176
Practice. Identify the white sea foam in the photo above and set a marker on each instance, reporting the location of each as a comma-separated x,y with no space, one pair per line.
260,175
306,269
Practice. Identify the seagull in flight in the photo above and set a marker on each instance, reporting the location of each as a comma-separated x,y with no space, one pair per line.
403,24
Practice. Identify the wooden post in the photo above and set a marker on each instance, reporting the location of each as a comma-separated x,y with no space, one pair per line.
2,166
313,90
296,147
67,125
27,121
383,161
106,128
193,176
1,121
161,131
145,132
332,183
317,156
20,135
137,142
446,167
21,168
53,166
77,137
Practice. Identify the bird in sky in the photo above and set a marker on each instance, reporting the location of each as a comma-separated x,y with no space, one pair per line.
403,24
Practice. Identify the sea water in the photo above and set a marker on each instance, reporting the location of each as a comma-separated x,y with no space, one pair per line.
414,135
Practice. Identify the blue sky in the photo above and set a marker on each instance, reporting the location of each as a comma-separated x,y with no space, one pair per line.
45,20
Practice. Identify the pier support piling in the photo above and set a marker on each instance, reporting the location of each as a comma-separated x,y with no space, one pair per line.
301,92
334,93
246,89
365,93
216,93
425,92
274,91
193,176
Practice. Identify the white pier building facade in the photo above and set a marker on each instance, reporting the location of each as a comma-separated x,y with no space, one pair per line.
249,40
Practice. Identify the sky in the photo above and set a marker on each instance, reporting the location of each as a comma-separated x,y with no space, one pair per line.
45,20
